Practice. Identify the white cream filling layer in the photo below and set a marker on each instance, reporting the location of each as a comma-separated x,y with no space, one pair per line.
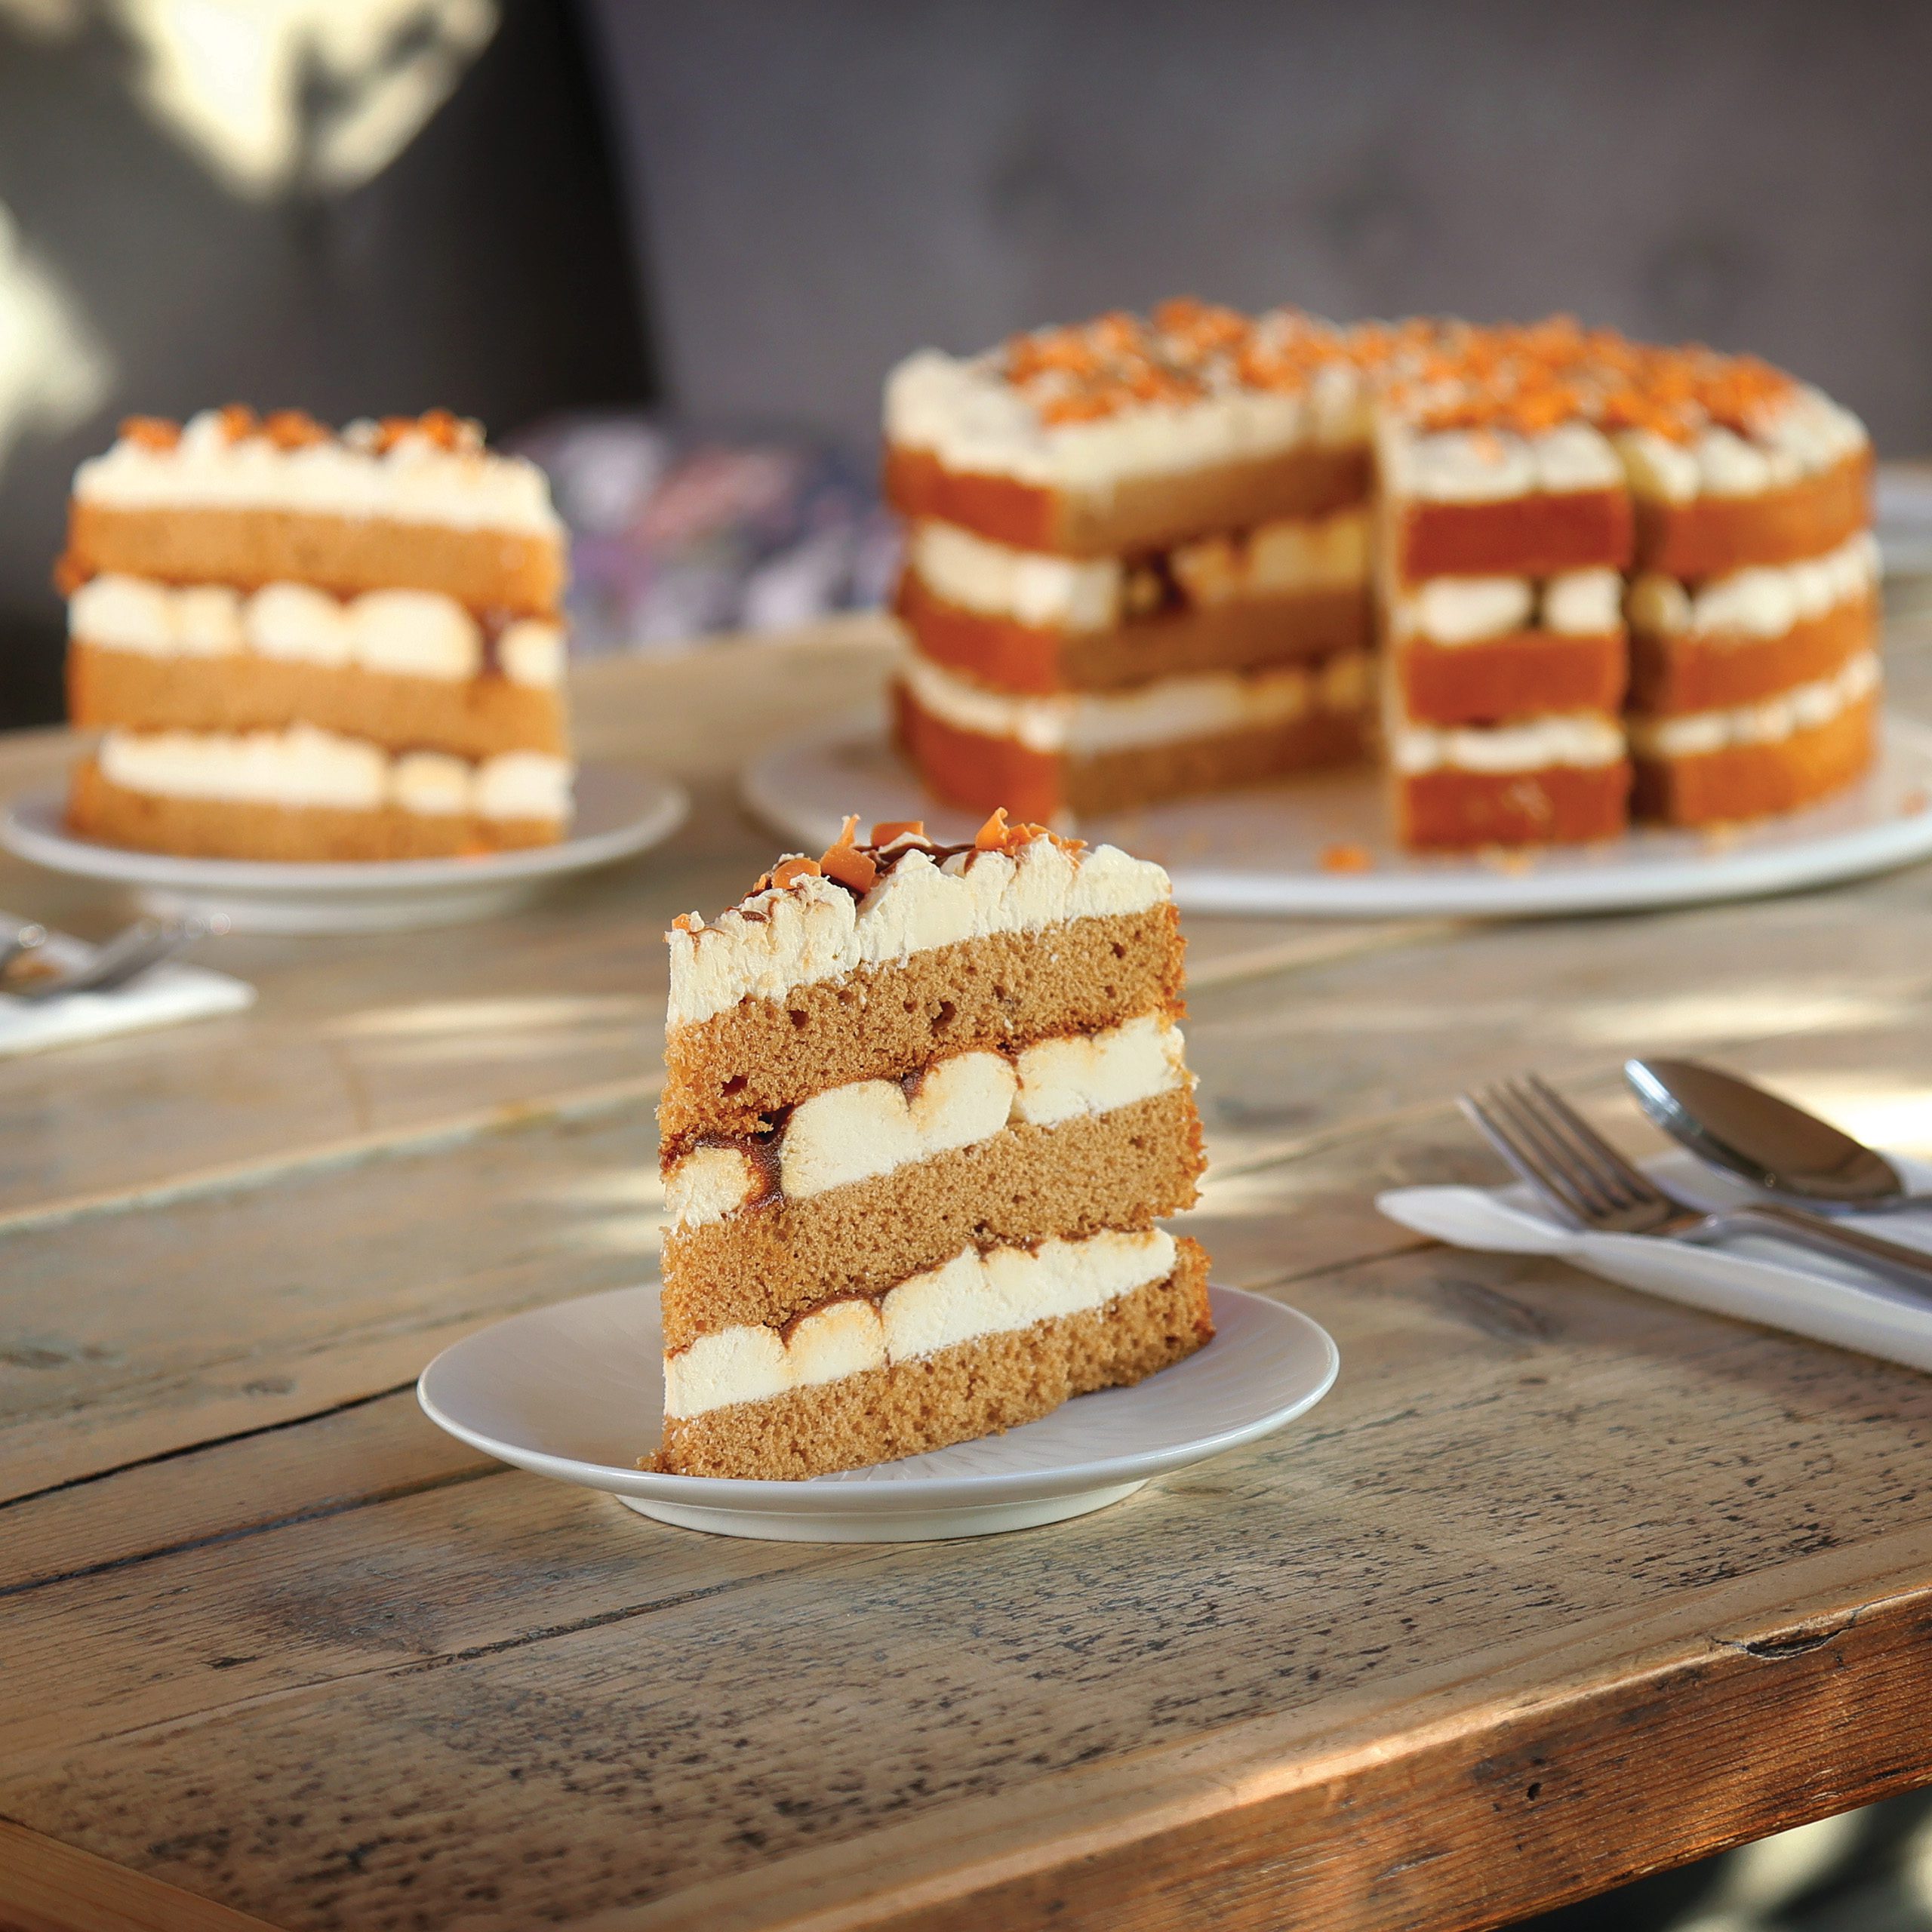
401,633
1170,709
972,1295
1581,739
814,930
1766,601
869,1127
1452,610
1032,587
965,412
1803,708
302,766
415,481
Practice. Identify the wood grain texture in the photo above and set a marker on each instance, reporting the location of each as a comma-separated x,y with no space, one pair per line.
1560,1585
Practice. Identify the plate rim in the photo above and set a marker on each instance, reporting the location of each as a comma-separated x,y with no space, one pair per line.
917,1495
1477,888
663,806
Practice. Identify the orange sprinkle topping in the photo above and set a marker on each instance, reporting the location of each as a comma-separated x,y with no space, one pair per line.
844,863
238,420
151,433
1348,858
887,829
787,870
292,430
996,835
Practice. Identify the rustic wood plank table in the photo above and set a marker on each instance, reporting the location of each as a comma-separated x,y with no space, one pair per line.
1561,1584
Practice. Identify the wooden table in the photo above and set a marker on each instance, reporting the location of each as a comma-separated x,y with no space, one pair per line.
1561,1584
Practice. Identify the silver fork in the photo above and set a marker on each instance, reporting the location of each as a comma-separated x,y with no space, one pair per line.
1591,1185
133,951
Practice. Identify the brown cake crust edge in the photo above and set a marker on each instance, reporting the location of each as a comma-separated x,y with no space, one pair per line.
1153,512
1541,534
1449,811
1525,674
1242,634
1745,782
1713,536
727,1075
966,768
516,573
1718,671
981,1387
233,828
469,718
768,1264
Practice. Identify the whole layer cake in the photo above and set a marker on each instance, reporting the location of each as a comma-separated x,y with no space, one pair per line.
302,645
923,1106
1549,572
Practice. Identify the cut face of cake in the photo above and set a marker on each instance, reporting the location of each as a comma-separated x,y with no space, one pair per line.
923,1106
1146,558
306,646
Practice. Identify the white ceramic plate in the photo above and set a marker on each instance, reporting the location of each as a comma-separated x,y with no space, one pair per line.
576,1392
619,812
1261,851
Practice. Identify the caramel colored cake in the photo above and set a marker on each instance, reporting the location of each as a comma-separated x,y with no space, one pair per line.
299,645
1550,573
923,1106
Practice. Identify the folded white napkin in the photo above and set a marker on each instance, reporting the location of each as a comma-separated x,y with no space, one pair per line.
170,991
1752,1279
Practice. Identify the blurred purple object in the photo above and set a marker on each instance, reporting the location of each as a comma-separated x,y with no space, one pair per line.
677,534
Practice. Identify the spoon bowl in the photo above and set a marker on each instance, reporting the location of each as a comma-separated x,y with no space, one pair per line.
1779,1148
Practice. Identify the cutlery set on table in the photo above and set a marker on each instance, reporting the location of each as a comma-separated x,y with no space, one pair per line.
1765,1215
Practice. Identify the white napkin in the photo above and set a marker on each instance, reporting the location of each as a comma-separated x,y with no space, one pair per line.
1752,1279
168,992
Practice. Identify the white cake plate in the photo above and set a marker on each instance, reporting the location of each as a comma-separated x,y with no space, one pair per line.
575,1392
1261,851
619,812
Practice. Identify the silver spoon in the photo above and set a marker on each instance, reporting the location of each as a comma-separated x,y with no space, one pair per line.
1779,1148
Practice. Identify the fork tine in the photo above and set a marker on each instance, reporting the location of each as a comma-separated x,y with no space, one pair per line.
1507,1099
1564,1146
1524,1160
1638,1186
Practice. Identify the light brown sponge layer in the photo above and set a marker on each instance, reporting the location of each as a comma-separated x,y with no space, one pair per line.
1538,535
1244,633
1135,512
1527,674
232,829
1745,782
968,768
469,718
508,572
1719,672
1450,810
728,1075
1713,536
763,1266
978,1388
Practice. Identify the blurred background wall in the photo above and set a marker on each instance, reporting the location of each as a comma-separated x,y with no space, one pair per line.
743,211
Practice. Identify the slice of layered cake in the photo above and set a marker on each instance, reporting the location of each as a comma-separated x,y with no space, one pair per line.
300,645
1755,612
923,1106
1138,562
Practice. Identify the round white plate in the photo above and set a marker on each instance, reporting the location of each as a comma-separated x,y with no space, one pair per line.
576,1392
1261,851
619,812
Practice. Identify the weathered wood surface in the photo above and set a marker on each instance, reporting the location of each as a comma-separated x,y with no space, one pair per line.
1560,1584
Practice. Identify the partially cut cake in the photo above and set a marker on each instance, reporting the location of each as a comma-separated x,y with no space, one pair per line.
1150,557
300,645
923,1106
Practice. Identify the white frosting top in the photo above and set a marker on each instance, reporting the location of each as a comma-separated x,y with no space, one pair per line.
965,413
1191,707
416,480
814,929
1488,465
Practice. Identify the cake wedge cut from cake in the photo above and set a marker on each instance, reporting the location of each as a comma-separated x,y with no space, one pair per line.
299,645
924,1107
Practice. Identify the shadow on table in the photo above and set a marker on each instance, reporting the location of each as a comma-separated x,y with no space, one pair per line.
1864,1870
